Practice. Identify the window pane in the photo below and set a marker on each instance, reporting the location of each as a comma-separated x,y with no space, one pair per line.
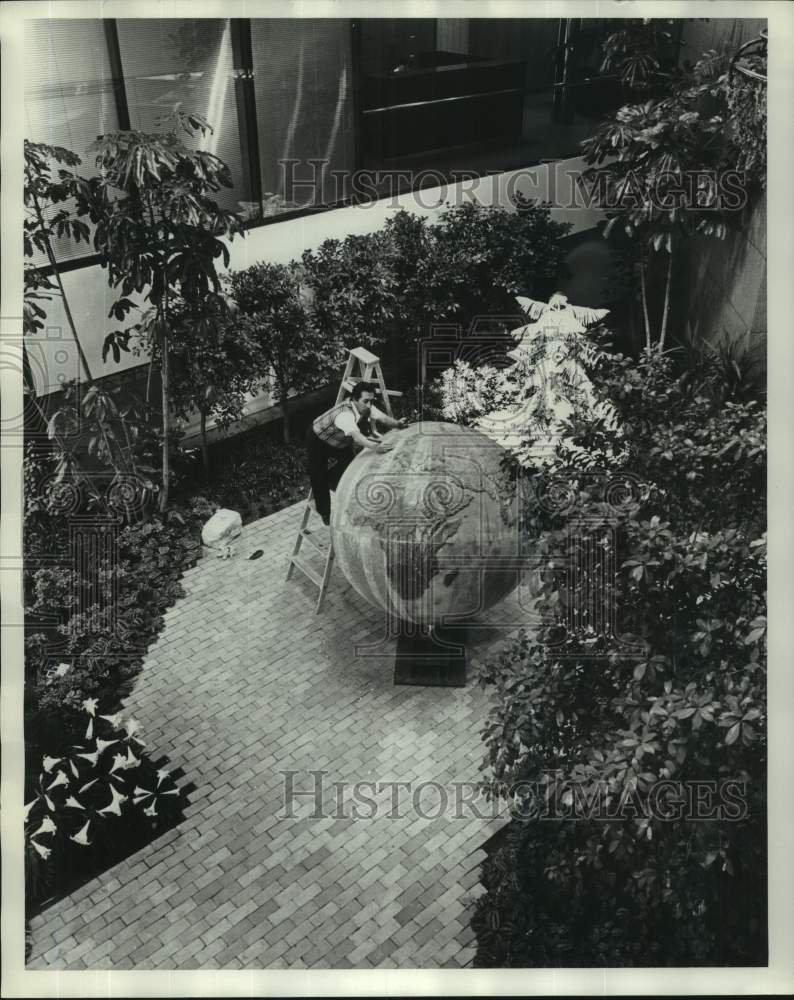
173,63
68,95
304,108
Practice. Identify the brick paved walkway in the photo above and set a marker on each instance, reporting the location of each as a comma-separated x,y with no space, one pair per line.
245,683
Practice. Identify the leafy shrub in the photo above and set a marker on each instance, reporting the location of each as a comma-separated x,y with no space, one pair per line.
255,474
649,668
353,288
734,371
423,402
153,190
387,288
479,258
641,158
50,213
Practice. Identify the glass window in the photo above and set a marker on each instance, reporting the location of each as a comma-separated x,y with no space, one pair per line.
178,63
69,97
68,86
304,110
480,95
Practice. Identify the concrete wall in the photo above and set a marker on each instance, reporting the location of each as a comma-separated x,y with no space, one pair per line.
702,34
727,278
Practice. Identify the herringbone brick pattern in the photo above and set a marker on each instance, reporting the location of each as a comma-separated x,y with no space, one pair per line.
244,685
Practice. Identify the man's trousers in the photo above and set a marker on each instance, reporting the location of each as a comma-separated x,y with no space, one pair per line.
325,465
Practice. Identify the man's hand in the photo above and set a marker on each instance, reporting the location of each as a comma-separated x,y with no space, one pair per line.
384,446
402,423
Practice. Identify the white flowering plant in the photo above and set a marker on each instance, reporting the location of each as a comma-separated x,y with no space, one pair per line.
468,393
72,826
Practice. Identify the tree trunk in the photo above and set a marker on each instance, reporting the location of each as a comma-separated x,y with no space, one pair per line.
643,260
149,381
205,454
67,310
166,419
285,417
666,300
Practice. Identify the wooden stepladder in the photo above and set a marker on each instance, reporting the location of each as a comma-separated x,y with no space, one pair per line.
362,366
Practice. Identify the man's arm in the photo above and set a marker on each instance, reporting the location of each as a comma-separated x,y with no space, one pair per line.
369,443
347,422
383,418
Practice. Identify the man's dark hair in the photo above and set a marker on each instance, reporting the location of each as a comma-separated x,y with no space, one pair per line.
361,387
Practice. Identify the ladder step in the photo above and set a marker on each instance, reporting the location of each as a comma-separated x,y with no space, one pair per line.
307,570
367,357
350,382
312,540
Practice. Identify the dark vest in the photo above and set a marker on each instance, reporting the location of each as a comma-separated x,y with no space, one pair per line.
329,433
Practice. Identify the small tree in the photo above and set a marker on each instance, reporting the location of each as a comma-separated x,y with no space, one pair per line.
158,229
659,170
214,366
52,211
49,214
294,353
354,288
642,51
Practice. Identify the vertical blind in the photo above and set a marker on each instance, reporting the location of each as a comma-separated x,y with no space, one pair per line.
170,64
303,89
69,98
68,87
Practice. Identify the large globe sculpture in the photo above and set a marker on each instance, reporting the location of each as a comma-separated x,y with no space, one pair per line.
429,530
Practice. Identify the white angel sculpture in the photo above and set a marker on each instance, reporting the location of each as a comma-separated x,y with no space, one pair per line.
552,386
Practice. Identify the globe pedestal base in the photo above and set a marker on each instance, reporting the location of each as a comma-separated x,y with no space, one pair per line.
430,656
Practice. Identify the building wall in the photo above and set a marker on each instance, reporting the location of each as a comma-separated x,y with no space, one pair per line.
702,34
727,301
727,278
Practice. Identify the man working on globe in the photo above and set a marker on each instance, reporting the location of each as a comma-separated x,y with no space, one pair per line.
335,435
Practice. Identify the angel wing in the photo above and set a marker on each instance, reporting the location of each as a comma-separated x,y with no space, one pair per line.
531,307
558,303
587,315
